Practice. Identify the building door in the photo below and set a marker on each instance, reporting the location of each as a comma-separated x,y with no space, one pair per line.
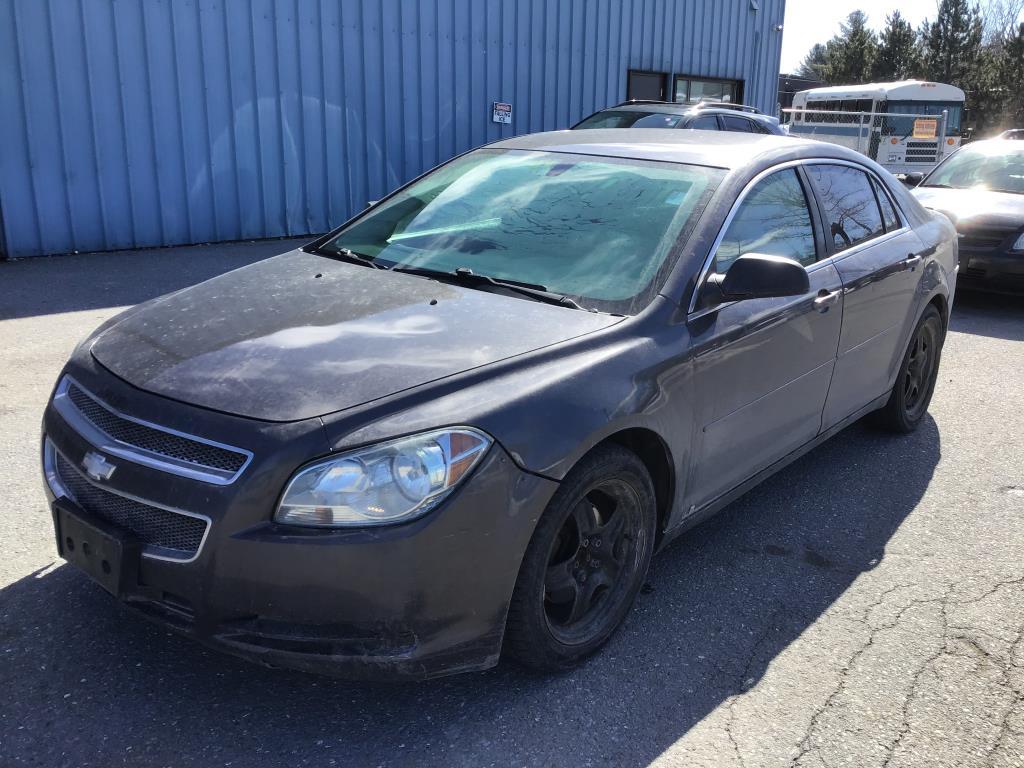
647,86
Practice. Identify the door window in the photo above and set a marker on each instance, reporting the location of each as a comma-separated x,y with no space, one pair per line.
892,221
704,123
851,210
773,219
733,123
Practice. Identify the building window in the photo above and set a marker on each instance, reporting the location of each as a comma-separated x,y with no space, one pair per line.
646,86
690,90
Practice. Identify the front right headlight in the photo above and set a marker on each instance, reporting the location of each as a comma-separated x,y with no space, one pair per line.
387,483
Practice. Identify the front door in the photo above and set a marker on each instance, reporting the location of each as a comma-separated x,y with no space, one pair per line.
877,258
762,367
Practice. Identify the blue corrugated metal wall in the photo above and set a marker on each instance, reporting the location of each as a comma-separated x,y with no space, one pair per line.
130,123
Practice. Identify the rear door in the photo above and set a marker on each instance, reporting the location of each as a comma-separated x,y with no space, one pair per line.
762,367
877,257
735,123
703,123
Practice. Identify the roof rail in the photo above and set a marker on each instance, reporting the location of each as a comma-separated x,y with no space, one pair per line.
727,105
627,102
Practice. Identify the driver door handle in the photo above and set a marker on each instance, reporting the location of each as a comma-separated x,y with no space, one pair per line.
826,299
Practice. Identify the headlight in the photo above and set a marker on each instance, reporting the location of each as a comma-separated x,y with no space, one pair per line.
1019,245
387,483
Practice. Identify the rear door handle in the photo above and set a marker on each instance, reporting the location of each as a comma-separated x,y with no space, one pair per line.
911,261
826,300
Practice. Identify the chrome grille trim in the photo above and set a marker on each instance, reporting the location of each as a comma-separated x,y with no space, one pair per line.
52,459
164,462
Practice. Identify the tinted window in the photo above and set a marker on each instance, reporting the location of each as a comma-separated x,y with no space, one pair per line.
892,221
704,123
851,211
736,123
629,118
772,219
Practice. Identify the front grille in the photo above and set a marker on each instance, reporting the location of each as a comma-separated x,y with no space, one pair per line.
977,241
179,535
154,440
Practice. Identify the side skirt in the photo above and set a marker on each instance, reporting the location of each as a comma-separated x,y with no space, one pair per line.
712,507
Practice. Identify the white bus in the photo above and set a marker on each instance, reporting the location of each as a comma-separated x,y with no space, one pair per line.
906,126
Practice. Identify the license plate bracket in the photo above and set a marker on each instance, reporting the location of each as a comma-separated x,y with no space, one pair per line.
107,554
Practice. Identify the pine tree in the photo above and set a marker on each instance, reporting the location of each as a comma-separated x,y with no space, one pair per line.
952,43
898,56
851,53
1011,69
815,64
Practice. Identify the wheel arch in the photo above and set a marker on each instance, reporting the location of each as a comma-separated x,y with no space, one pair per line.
654,452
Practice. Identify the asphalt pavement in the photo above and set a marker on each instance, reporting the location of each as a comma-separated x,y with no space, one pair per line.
864,607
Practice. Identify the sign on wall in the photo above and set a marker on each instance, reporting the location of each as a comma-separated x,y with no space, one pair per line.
502,113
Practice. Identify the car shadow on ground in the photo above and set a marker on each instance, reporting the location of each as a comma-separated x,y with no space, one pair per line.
120,278
988,314
86,681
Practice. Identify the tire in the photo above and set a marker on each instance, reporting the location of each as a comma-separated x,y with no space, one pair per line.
586,562
915,383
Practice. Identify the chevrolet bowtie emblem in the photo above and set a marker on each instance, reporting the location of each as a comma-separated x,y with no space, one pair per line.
97,467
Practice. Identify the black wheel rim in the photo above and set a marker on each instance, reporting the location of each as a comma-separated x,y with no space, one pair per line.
593,561
920,370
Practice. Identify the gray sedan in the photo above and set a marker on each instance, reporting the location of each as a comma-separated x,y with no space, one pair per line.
461,424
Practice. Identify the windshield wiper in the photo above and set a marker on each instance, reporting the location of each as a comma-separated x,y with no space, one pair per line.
939,186
347,254
466,276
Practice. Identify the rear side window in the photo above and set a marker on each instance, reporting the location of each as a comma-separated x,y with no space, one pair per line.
851,210
892,221
736,123
704,123
773,219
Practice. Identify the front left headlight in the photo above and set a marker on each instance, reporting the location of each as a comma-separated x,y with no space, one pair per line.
387,483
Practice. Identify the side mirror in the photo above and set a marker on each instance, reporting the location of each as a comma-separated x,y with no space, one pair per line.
913,178
756,276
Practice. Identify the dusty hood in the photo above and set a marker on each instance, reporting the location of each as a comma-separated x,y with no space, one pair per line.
301,335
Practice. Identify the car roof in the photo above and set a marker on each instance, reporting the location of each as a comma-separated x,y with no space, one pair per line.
720,149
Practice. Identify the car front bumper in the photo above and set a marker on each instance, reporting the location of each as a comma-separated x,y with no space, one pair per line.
416,600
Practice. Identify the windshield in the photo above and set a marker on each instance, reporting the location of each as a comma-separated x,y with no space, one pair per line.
996,167
596,229
630,118
901,125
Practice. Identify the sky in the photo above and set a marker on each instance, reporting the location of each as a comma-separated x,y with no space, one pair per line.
816,21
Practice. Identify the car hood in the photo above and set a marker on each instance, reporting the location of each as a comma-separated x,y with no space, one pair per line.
301,335
968,206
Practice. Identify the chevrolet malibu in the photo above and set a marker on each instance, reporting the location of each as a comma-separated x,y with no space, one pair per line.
461,424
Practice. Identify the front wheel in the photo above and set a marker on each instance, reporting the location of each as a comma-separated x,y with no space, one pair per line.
915,384
585,563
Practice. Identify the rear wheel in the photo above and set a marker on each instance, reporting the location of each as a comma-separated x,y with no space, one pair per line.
585,563
915,384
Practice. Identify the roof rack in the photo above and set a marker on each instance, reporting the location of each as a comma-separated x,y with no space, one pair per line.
727,105
648,101
698,105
